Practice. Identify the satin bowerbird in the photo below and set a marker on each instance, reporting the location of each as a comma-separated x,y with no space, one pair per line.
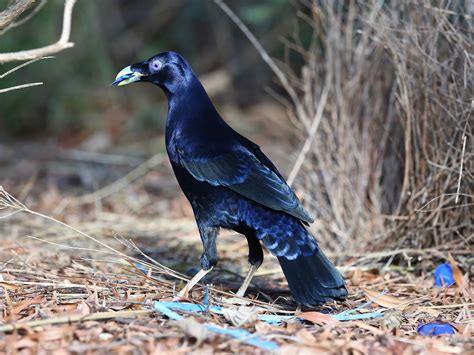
232,184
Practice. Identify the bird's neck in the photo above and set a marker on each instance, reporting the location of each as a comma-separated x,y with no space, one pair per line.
190,104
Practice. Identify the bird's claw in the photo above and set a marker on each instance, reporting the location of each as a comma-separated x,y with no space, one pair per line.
183,294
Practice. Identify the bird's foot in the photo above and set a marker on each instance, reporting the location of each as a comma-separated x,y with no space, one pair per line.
184,293
248,278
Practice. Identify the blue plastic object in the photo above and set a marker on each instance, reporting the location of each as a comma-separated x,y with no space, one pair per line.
436,328
237,333
444,275
169,308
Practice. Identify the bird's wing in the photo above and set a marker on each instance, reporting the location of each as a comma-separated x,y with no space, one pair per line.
241,171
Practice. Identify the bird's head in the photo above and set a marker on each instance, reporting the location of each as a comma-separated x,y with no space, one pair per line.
168,70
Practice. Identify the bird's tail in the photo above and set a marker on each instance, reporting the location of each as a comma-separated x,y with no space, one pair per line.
313,279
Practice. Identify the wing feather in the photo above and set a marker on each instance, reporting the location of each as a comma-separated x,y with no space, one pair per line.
241,171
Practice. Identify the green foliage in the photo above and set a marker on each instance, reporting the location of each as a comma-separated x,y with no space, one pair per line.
110,34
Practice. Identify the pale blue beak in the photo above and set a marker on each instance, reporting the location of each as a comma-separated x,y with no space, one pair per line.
127,76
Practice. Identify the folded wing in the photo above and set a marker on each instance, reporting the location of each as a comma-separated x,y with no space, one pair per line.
241,171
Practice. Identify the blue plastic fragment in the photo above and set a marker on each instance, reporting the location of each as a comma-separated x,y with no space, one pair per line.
274,319
142,268
240,334
269,318
160,307
348,317
193,308
444,275
436,328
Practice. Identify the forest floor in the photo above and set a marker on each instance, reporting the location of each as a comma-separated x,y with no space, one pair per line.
99,272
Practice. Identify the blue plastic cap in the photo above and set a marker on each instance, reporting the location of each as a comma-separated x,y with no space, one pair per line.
436,328
444,275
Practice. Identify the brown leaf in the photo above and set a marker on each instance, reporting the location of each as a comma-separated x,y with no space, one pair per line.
25,343
8,286
385,300
291,349
84,308
263,328
192,328
457,273
56,333
318,318
305,336
20,306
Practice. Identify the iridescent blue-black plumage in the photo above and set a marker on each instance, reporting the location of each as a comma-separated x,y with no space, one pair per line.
231,184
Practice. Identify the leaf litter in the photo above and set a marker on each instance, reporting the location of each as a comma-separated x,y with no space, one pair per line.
62,290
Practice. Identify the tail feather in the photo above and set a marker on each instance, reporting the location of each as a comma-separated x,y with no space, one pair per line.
313,279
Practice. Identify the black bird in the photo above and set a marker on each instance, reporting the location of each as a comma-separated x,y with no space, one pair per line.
231,184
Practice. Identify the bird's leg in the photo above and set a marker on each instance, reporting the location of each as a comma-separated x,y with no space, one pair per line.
255,260
196,278
247,280
208,258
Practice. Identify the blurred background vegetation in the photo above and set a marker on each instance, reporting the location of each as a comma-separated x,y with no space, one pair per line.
372,122
76,99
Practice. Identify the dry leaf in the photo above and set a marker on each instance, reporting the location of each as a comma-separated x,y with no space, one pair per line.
457,273
431,311
8,286
83,308
25,343
241,315
385,300
305,336
263,328
318,318
392,320
20,306
291,349
192,328
56,333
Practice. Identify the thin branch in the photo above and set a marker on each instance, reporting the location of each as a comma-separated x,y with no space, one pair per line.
122,182
267,59
60,45
23,86
14,11
311,134
24,19
18,87
22,66
464,139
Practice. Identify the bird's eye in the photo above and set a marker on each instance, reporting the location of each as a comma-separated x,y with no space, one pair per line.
155,65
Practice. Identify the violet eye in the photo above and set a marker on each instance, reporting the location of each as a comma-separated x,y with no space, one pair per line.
155,65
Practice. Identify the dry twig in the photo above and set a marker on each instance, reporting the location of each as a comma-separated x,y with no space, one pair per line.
61,44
